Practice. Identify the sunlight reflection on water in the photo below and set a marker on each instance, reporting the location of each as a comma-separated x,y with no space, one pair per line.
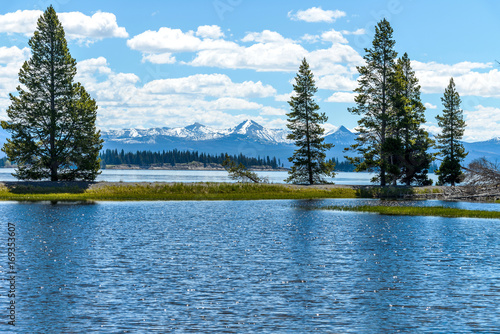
249,266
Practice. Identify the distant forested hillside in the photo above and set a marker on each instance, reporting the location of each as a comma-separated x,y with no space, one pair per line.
173,157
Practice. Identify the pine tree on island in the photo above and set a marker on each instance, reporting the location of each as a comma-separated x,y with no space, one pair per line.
309,164
391,139
52,119
374,105
412,159
449,145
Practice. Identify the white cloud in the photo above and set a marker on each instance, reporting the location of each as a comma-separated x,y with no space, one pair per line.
21,21
310,38
344,97
228,103
98,26
93,65
337,59
273,111
213,99
284,97
429,105
342,82
161,58
269,51
164,40
12,58
470,78
217,85
207,31
483,123
76,24
333,36
266,36
360,31
316,14
281,55
13,54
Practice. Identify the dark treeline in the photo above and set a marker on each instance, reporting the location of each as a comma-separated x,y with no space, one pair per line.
113,157
148,158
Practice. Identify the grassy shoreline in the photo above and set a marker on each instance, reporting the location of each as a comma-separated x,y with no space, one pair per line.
161,191
32,191
437,211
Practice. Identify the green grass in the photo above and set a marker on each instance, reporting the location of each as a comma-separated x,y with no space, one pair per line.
419,211
178,191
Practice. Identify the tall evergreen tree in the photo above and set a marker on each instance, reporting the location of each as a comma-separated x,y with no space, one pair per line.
374,104
411,157
452,129
52,120
304,121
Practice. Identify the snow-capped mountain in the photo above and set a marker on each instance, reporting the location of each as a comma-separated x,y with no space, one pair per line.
248,138
256,131
194,131
197,132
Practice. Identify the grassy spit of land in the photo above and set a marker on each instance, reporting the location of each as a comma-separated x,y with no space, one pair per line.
439,211
116,191
162,191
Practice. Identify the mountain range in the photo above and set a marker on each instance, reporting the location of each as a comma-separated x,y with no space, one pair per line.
248,138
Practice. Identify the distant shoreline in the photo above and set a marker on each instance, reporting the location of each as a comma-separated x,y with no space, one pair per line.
190,166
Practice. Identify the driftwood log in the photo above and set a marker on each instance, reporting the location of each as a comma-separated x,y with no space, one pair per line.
482,182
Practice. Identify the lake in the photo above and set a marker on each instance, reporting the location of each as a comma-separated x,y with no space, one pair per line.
145,175
249,266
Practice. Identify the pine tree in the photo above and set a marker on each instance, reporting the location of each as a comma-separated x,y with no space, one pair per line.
52,119
452,129
304,121
374,104
411,156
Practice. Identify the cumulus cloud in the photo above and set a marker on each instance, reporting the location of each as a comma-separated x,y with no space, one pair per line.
13,54
470,78
273,111
207,31
11,60
217,85
360,31
213,99
483,123
429,105
21,21
98,26
272,53
344,97
284,97
268,50
76,24
266,36
161,58
316,14
165,40
310,38
333,36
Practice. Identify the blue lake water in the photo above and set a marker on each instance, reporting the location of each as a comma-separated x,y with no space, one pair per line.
114,175
248,266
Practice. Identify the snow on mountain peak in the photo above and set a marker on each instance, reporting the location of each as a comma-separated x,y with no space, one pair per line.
246,127
197,131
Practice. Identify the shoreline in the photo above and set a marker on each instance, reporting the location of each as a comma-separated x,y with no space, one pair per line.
190,166
164,191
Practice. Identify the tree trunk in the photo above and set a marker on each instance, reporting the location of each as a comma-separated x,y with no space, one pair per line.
53,158
309,166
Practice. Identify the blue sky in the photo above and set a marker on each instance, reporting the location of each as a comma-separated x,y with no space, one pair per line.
219,62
